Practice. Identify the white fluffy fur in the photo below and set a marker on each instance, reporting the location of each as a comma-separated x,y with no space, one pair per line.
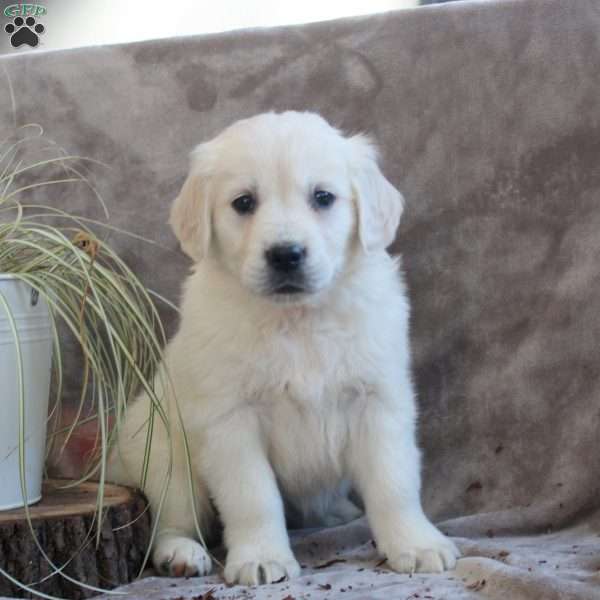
293,398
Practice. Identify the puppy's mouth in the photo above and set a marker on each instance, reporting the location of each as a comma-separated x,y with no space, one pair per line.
289,288
286,288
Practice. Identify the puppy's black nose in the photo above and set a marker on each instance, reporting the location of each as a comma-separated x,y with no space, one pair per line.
285,257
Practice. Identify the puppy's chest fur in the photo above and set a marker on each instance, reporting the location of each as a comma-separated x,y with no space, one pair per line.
307,392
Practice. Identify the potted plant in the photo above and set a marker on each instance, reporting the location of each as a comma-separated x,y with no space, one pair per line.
60,280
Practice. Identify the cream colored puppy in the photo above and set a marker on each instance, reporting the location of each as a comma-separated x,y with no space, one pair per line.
291,366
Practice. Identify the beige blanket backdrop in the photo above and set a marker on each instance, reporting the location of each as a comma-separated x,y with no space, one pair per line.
488,115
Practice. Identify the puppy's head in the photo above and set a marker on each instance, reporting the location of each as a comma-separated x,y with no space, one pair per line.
281,200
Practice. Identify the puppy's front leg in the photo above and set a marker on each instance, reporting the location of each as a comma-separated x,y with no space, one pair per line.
243,485
386,467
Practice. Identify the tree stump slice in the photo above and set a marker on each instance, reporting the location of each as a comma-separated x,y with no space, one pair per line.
65,525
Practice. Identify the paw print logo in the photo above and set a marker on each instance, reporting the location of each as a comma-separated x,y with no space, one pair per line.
24,32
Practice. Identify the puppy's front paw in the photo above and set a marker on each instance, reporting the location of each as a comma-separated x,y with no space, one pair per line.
424,550
266,568
178,556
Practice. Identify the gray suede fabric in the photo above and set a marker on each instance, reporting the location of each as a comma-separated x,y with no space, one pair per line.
488,117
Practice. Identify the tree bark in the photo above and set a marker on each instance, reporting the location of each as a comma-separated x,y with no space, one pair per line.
65,525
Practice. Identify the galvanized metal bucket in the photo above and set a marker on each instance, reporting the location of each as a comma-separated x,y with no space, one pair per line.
34,338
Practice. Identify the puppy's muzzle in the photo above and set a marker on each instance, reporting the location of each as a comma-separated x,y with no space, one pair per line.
286,266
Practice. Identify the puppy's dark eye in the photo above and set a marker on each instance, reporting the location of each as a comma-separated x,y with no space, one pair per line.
323,199
244,205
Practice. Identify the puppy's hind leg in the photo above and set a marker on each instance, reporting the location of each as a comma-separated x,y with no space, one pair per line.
177,551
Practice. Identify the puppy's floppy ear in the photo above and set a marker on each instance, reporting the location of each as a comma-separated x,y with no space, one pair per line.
379,203
190,216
